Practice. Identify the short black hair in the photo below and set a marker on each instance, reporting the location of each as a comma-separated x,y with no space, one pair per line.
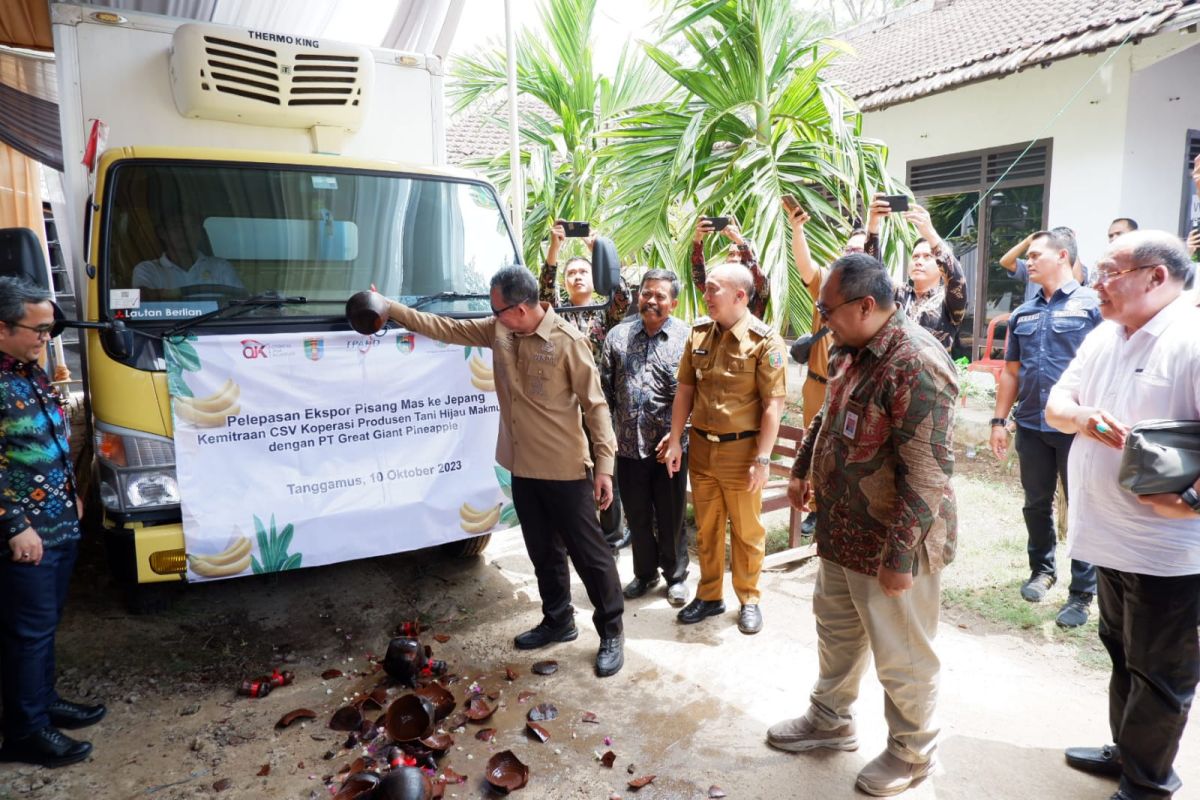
862,275
517,285
1060,239
662,275
15,294
1129,221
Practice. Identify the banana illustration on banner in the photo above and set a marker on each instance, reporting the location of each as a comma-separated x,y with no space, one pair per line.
211,411
474,520
482,376
233,560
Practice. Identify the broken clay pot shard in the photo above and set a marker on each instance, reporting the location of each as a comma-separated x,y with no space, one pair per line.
638,783
410,717
506,773
358,784
404,660
346,718
443,701
405,783
294,716
608,759
537,731
478,709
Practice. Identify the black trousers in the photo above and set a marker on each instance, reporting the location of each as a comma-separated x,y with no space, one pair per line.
655,506
610,518
558,519
1043,461
1149,624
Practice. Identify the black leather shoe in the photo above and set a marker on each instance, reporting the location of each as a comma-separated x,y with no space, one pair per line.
611,657
545,634
49,747
698,609
1104,760
622,540
638,587
750,619
68,715
808,525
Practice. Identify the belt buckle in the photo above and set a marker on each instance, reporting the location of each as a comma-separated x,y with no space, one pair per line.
712,437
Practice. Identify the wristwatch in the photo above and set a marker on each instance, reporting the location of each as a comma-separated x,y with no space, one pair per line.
762,461
1190,497
999,422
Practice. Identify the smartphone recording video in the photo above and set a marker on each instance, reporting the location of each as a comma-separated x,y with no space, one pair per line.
898,202
718,223
577,230
790,203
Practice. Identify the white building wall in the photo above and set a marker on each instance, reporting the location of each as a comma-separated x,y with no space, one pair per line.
1088,185
1164,102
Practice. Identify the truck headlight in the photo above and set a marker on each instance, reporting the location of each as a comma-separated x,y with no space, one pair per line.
146,489
137,470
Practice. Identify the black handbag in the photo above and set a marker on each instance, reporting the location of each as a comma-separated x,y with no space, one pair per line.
1161,456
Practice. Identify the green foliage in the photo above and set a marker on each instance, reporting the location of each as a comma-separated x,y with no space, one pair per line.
273,548
722,116
181,356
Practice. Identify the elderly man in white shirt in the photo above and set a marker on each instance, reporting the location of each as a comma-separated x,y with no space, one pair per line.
1142,363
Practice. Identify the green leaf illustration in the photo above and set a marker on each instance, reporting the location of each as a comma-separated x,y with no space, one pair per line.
508,515
504,478
176,384
254,565
466,353
273,544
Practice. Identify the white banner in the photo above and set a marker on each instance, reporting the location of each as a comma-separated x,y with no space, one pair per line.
300,450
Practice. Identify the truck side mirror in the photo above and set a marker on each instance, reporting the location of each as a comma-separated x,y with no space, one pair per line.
606,267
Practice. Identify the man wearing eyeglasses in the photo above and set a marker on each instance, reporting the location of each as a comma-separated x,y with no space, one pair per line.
548,389
1142,363
1045,334
878,461
39,532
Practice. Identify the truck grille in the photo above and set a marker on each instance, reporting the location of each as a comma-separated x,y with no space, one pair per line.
261,74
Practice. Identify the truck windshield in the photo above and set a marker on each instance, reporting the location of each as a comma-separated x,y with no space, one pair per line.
184,239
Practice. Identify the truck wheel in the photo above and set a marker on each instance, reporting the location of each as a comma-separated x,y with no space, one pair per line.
469,548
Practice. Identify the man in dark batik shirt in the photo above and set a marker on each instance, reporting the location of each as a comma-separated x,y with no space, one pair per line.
39,535
936,293
878,459
594,323
744,256
638,366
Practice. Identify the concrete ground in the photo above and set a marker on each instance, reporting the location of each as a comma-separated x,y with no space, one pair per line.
691,706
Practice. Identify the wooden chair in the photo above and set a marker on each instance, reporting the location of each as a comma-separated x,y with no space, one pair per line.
787,445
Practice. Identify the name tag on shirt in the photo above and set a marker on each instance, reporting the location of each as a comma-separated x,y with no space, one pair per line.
699,352
850,425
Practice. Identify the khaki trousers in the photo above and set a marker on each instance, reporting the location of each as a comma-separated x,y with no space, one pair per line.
720,475
856,619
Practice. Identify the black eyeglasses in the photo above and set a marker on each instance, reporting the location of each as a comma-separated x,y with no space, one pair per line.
41,330
826,312
498,311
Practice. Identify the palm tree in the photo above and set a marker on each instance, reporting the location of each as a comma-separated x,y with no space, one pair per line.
576,109
755,120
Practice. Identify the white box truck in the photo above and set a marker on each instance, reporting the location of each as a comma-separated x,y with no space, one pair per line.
249,182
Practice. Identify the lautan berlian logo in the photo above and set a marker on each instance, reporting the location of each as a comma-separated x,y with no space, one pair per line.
406,342
314,348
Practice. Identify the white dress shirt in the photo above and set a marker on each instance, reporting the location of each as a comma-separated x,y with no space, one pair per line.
1152,374
163,273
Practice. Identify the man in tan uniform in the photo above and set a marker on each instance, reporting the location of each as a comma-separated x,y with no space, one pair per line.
545,375
731,382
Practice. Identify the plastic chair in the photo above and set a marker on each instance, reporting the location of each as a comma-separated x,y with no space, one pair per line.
994,366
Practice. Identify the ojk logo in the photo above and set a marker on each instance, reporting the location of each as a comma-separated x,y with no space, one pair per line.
254,349
406,342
